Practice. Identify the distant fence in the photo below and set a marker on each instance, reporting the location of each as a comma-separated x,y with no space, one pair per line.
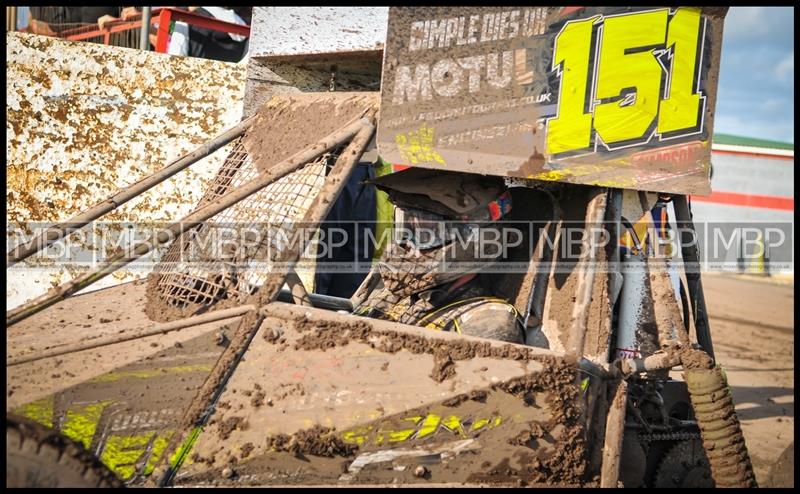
126,33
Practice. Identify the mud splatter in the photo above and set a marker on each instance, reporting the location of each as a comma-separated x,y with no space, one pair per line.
246,449
443,367
696,360
528,436
568,462
258,399
323,335
276,136
317,441
474,395
229,425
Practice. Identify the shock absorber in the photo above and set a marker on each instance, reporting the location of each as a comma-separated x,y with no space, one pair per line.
719,426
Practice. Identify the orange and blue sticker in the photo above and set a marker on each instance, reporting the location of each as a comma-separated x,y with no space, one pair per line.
500,206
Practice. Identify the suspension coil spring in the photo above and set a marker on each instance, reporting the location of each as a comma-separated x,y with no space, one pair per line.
719,426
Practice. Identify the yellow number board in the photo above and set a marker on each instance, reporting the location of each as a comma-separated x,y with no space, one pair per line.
645,82
621,97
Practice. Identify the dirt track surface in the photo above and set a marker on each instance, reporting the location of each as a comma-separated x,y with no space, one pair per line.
752,327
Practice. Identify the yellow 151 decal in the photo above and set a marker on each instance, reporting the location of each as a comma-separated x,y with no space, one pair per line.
627,104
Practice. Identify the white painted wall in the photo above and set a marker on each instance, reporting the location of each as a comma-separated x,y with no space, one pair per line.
751,175
316,30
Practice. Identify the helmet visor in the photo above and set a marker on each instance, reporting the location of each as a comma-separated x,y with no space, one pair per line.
425,230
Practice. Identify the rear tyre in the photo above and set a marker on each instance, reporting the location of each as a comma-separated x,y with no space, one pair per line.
685,466
37,456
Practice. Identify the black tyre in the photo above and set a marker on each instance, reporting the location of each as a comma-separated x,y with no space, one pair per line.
37,456
685,466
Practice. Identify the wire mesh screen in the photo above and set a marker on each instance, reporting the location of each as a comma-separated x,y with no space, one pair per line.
229,256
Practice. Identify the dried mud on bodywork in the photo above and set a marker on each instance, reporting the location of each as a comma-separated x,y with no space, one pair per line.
317,441
278,133
127,416
521,431
105,313
226,358
328,334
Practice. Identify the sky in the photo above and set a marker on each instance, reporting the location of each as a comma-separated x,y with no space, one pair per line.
755,96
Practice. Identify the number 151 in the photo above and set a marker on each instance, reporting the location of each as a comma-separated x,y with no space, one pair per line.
632,90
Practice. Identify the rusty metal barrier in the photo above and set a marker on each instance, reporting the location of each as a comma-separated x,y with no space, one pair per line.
125,33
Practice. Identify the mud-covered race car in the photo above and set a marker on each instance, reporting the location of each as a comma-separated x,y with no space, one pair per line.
226,370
